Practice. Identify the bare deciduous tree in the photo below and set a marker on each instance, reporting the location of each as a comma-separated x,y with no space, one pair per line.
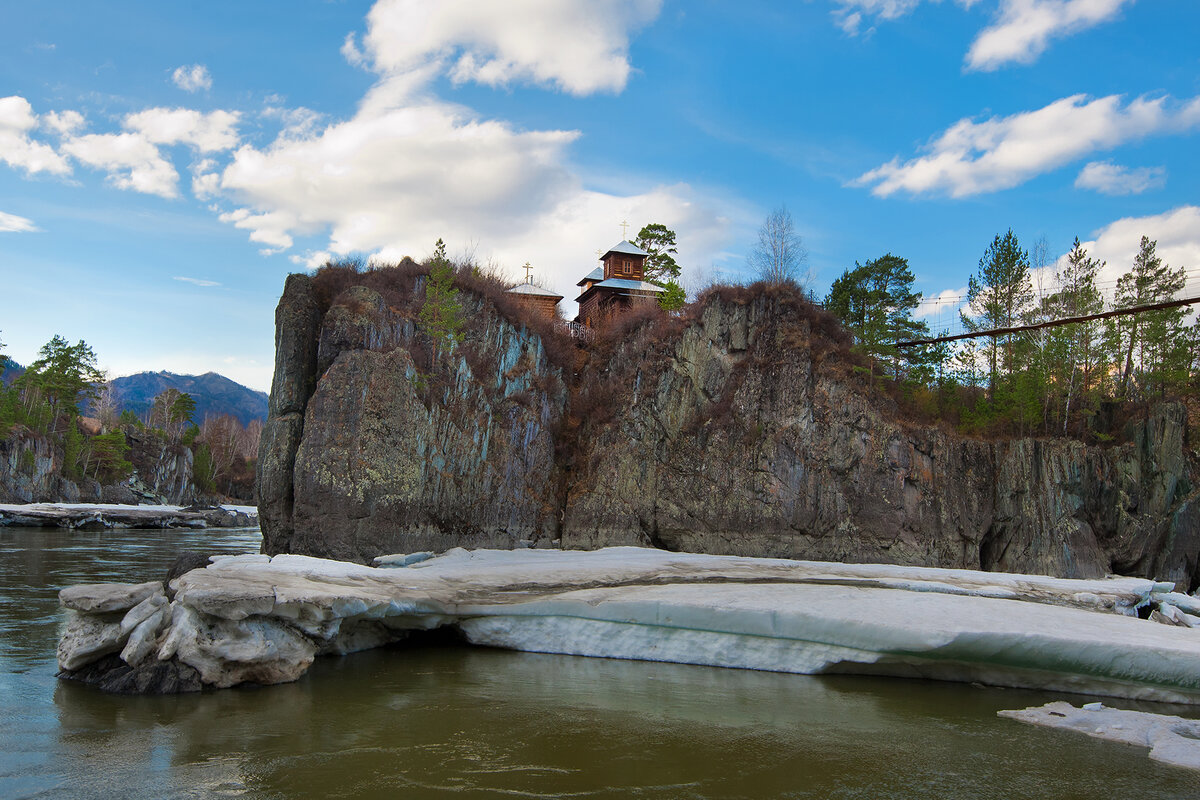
779,256
107,407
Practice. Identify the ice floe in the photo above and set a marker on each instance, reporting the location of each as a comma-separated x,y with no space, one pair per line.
116,515
260,619
1171,740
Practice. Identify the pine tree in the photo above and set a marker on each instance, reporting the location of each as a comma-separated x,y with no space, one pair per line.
1077,350
659,241
441,314
999,294
62,376
1150,347
875,302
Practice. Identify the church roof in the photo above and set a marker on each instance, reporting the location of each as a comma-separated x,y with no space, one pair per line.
595,275
625,247
530,289
625,283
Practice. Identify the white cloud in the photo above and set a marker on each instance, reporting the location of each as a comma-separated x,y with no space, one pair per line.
312,259
393,180
579,46
206,181
11,223
999,153
269,228
210,132
130,160
941,306
353,55
64,123
17,149
1178,235
1109,178
848,14
408,168
297,122
192,78
133,159
196,281
1024,28
1021,32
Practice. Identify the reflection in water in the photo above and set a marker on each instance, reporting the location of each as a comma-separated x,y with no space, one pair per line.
436,721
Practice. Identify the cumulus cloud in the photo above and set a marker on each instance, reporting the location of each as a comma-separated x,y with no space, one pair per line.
1178,235
192,78
391,180
133,159
1109,178
17,149
196,281
64,123
408,168
130,160
975,157
210,132
11,223
1024,29
578,46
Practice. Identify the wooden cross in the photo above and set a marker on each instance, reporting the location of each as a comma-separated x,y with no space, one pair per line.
528,272
624,225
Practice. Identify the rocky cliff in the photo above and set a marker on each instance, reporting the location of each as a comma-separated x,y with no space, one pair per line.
740,428
368,452
31,471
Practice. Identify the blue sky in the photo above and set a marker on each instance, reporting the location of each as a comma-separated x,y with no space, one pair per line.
163,166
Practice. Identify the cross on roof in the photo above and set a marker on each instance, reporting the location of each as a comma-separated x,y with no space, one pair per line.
624,225
528,272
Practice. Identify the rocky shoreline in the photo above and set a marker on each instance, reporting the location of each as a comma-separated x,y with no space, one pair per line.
101,516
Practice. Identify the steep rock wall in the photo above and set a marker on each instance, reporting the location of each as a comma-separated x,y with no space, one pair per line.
31,471
741,431
387,455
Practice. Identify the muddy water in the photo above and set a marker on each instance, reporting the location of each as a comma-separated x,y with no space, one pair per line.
433,721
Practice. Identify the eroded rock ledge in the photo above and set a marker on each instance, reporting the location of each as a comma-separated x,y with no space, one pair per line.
258,619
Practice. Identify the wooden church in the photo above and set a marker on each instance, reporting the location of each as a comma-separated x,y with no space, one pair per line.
542,301
618,283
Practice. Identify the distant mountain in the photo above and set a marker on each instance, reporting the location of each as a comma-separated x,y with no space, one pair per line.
10,371
214,394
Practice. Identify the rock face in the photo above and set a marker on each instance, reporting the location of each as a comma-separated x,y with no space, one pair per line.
382,455
31,472
740,428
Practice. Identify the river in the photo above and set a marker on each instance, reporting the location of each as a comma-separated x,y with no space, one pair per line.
435,720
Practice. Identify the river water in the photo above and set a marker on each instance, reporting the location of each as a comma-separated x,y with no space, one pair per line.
432,721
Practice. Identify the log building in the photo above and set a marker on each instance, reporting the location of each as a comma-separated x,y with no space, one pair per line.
618,283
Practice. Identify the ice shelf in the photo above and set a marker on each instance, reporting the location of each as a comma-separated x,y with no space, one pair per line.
260,619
